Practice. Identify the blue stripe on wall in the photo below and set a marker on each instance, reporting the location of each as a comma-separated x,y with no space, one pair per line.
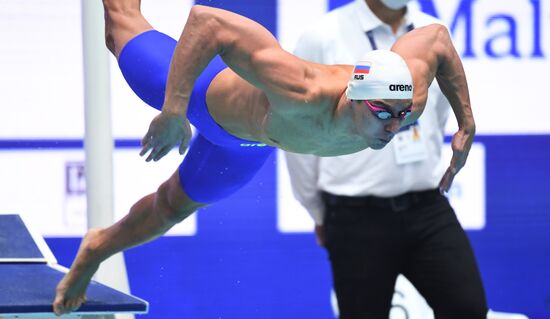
59,144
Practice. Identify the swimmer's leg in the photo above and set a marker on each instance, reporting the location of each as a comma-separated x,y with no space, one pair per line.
149,218
123,21
144,62
143,53
211,172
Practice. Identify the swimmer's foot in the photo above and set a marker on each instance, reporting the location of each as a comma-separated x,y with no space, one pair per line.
71,290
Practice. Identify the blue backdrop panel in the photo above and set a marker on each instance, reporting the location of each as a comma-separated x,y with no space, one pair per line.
239,266
513,250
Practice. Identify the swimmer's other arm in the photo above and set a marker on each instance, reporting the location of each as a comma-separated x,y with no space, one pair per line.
430,52
245,46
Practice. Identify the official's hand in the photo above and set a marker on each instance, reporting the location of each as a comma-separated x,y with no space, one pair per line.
166,131
320,233
461,144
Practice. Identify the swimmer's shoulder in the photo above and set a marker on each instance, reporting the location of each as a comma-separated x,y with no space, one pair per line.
331,82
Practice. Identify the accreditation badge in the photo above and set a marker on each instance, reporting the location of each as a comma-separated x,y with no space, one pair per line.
410,145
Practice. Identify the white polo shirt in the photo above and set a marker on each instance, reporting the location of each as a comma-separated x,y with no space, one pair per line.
340,37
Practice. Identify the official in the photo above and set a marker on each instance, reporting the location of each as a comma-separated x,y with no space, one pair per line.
380,213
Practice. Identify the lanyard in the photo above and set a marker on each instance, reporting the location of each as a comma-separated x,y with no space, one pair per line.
370,36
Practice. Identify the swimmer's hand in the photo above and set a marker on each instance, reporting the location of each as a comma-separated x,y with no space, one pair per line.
461,144
166,131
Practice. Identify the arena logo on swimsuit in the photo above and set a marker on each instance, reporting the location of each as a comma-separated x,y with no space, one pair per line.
507,24
253,145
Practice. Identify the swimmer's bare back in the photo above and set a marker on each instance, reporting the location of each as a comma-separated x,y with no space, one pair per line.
302,122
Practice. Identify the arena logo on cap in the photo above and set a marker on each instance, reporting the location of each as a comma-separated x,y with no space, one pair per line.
400,87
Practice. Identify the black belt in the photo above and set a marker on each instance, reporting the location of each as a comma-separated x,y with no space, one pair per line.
396,203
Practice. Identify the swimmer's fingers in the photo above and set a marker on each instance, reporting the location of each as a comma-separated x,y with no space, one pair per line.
447,180
183,147
151,155
148,141
166,131
160,154
461,144
157,152
186,138
152,141
457,161
146,144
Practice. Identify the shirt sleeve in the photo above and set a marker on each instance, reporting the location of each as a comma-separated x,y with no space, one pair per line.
304,172
310,47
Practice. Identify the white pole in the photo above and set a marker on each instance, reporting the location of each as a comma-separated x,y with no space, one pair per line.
98,140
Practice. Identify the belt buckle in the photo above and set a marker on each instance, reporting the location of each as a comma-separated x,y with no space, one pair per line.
400,203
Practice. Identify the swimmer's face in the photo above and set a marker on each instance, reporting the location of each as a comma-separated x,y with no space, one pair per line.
381,119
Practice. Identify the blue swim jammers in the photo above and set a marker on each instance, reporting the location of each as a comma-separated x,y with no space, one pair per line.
217,163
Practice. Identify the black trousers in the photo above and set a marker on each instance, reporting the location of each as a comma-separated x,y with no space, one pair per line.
371,240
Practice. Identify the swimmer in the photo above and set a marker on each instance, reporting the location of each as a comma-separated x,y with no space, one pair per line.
228,76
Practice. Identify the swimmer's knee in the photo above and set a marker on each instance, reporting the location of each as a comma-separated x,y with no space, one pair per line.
171,210
172,203
109,38
123,21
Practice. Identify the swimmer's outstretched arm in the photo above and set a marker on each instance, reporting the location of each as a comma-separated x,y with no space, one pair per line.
248,49
430,53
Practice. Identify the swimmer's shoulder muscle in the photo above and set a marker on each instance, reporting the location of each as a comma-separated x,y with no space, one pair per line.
254,54
430,53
